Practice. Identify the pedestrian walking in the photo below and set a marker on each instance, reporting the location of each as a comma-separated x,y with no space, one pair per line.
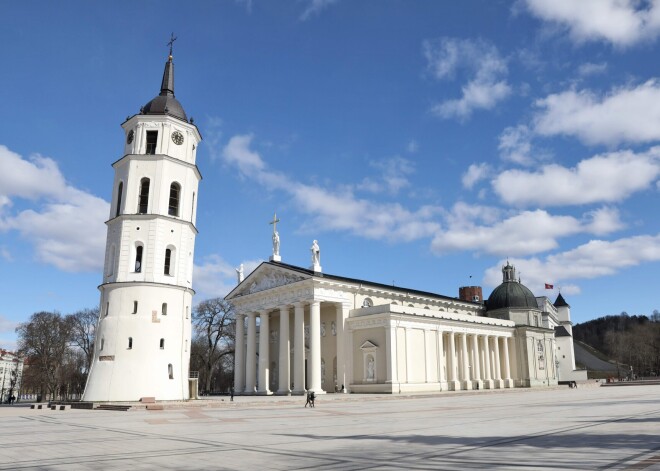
309,399
231,393
312,397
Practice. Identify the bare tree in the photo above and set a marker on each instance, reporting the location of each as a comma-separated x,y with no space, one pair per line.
44,340
83,332
215,331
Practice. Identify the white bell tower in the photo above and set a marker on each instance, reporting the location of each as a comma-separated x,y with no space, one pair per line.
144,331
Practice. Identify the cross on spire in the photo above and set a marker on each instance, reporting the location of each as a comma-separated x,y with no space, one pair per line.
274,222
171,43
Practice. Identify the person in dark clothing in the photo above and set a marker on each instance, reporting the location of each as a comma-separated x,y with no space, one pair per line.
312,396
231,393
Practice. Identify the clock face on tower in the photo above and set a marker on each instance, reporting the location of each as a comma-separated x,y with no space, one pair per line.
130,136
177,138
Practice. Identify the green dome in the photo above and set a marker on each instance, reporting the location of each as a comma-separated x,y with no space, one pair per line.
511,293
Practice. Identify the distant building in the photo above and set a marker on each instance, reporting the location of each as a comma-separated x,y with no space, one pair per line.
11,375
321,332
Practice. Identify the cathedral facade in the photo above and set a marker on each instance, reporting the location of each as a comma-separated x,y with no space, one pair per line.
330,333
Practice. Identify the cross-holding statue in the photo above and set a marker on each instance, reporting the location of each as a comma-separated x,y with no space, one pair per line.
171,43
239,273
276,240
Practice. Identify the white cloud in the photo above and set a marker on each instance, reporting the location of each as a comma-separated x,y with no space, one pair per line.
237,152
481,60
412,146
75,246
589,68
26,178
516,145
624,115
213,136
594,259
604,178
394,176
476,95
315,7
7,325
215,277
474,174
5,254
620,22
337,209
482,229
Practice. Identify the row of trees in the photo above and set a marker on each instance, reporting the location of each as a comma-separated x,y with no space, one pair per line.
631,341
58,350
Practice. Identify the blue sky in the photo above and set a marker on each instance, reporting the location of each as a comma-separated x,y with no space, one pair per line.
421,142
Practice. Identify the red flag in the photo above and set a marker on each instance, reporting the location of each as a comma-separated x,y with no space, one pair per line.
549,286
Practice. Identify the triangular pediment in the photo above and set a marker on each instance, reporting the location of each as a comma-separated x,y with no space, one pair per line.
368,345
265,277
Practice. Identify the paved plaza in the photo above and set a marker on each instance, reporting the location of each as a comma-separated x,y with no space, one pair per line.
559,428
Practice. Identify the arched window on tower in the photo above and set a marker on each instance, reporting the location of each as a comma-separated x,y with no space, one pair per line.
130,343
175,191
162,344
168,259
138,258
120,190
170,371
143,202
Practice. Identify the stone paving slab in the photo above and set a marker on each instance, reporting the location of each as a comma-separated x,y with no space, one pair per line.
559,428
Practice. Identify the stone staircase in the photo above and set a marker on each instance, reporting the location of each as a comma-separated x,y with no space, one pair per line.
113,407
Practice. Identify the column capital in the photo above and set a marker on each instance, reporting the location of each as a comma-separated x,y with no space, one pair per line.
264,312
299,304
314,302
285,308
251,314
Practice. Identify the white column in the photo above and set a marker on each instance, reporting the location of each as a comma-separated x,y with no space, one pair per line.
239,354
251,357
408,355
342,353
508,382
427,360
476,369
442,379
497,373
284,383
391,354
467,383
315,346
488,380
454,385
264,357
299,348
